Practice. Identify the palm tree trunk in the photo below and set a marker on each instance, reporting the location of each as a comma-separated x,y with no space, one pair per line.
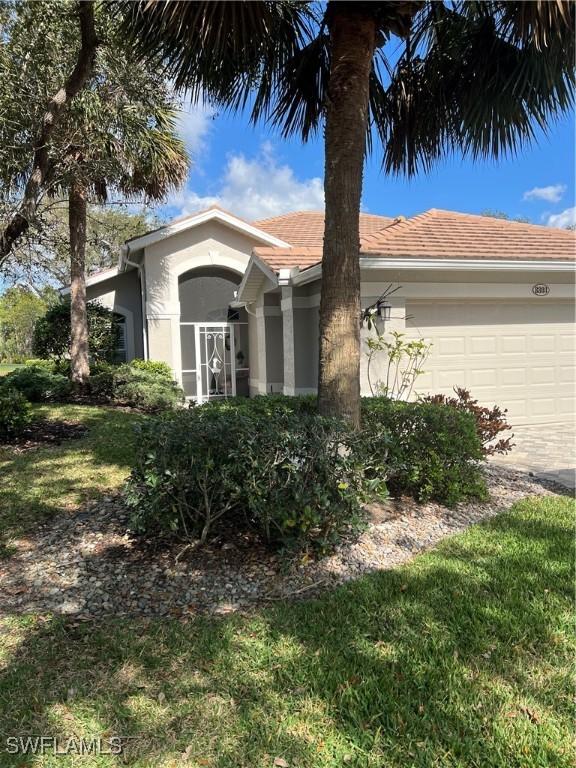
79,365
352,37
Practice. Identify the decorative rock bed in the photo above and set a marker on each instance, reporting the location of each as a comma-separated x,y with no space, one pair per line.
88,565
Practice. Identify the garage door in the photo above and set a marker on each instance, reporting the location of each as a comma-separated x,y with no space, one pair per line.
519,355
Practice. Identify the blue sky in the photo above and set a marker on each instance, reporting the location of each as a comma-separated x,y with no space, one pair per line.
253,172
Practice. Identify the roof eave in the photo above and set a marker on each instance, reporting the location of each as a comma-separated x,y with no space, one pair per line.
211,215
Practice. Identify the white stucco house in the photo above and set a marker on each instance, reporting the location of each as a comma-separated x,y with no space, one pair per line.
232,306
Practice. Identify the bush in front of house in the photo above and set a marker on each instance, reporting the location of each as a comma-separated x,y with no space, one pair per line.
51,339
490,422
15,413
38,384
148,387
431,450
156,367
291,476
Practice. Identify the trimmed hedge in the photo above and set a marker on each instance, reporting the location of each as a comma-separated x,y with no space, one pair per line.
300,479
143,384
292,477
432,451
15,413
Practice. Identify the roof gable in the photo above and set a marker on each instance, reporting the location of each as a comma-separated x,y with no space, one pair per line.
213,213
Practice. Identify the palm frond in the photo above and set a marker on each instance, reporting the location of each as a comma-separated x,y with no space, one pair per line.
473,86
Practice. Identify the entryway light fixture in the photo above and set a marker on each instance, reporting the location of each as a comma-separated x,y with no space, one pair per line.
376,315
382,315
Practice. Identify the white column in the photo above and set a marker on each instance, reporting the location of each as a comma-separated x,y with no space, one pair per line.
260,384
287,307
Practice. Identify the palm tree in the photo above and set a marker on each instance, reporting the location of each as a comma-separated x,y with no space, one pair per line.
136,160
119,137
424,78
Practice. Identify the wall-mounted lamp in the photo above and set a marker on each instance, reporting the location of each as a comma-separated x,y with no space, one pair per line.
377,315
382,315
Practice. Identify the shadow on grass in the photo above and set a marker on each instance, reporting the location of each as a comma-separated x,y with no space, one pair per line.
461,658
39,483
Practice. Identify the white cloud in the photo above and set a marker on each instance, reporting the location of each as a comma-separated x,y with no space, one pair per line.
551,194
194,122
565,219
256,188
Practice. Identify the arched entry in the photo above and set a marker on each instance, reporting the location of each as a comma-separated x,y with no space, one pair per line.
213,335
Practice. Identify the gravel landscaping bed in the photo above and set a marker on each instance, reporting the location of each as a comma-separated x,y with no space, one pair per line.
88,565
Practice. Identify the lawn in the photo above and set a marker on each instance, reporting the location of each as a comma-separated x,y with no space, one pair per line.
39,483
7,367
460,659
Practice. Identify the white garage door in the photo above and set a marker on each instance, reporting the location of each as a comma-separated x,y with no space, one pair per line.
517,354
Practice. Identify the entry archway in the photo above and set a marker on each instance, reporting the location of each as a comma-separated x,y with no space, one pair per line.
213,334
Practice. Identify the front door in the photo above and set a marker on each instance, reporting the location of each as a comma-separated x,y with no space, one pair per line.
217,363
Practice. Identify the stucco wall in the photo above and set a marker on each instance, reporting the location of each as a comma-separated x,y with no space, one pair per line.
122,294
209,244
437,285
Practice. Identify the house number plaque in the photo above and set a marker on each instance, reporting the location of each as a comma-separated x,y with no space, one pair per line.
540,289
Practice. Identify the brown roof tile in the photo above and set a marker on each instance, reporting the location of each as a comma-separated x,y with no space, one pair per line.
435,234
446,234
287,258
306,228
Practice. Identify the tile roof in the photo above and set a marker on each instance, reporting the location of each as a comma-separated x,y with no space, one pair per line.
446,234
306,228
435,234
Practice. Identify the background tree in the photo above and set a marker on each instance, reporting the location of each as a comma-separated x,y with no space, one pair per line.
493,214
425,78
117,138
42,256
20,308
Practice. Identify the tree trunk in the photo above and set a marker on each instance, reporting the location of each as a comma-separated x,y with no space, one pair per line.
20,220
352,40
79,365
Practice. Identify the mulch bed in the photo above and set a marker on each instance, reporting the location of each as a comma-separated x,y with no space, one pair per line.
89,564
43,432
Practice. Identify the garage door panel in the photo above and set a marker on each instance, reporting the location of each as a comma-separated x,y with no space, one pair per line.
543,375
513,345
521,356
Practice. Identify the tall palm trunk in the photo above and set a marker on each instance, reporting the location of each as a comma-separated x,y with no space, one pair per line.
352,37
80,368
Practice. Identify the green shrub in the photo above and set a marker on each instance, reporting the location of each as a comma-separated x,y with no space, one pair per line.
61,367
145,387
153,366
432,451
490,422
292,476
15,413
102,381
37,384
39,362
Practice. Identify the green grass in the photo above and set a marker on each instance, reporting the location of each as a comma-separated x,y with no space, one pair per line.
7,367
460,659
40,483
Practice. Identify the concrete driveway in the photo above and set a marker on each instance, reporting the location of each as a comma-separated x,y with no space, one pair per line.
547,451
